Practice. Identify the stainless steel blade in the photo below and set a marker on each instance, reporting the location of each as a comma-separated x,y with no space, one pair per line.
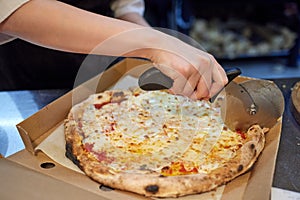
252,102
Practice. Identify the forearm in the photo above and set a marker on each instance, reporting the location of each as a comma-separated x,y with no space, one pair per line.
59,26
56,25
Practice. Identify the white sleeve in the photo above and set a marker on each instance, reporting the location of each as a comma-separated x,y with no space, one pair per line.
7,7
121,7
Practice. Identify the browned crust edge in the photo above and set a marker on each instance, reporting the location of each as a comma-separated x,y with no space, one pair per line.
160,186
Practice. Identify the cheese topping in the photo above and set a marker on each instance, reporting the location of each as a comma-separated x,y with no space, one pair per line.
156,131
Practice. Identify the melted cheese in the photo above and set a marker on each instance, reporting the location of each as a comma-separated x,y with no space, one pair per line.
154,129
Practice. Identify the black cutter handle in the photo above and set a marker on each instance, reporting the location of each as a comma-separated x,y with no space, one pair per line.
154,79
231,73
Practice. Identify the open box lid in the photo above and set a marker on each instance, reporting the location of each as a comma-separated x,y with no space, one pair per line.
256,184
37,127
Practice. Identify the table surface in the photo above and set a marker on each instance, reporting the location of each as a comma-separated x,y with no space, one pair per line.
18,105
287,170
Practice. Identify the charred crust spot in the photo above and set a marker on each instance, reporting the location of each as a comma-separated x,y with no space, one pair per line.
254,154
217,175
252,146
105,188
118,94
152,189
165,168
240,168
251,128
161,176
70,155
99,96
118,97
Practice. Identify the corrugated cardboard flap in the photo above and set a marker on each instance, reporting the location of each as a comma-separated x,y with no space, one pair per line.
37,127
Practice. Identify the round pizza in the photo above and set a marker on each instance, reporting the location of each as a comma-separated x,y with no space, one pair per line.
157,144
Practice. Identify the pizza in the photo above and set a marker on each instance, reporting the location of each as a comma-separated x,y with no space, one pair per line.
157,144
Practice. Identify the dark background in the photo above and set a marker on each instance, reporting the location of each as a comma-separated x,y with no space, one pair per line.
27,66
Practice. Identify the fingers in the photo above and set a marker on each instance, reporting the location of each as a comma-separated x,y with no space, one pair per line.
211,81
219,78
219,75
186,85
194,78
185,76
179,78
197,79
202,89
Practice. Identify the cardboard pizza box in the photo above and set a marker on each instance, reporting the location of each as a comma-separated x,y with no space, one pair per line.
255,184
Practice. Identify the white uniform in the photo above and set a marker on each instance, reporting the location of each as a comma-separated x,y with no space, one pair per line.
7,7
119,7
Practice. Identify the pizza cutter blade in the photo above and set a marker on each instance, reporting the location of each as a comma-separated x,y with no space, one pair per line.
252,102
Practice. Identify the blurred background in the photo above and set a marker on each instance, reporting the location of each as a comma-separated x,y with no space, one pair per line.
260,37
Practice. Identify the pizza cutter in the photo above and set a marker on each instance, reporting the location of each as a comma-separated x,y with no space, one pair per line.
244,104
154,79
252,102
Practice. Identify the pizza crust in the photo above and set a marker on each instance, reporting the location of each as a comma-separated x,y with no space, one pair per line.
150,183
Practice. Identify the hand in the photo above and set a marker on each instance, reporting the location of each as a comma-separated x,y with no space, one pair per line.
196,74
199,79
